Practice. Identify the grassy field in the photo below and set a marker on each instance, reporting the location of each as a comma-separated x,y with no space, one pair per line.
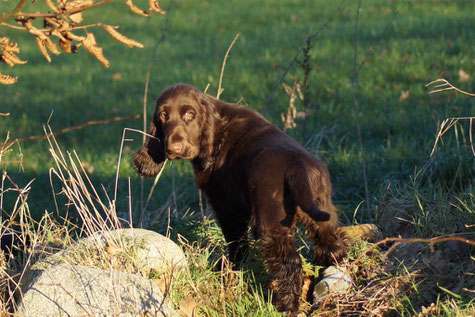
401,46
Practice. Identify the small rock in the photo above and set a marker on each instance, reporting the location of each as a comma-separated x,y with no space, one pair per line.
334,279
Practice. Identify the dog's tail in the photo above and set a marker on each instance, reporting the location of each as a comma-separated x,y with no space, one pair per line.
299,185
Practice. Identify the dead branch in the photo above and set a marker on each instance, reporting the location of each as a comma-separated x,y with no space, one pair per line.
73,128
308,38
15,12
430,241
59,22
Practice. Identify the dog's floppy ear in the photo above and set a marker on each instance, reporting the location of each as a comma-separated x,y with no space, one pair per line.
210,124
150,158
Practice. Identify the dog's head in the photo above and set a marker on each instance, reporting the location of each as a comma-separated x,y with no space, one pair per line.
183,126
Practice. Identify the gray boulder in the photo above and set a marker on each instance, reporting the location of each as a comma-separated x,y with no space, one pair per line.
151,250
74,290
104,274
144,251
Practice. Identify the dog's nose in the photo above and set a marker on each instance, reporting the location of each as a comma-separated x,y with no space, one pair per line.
176,147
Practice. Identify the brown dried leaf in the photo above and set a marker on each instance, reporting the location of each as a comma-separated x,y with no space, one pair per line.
161,283
76,17
187,306
117,76
7,80
121,38
154,7
96,51
77,5
9,46
58,34
10,58
463,76
42,48
42,40
51,46
65,45
404,95
135,9
9,49
74,37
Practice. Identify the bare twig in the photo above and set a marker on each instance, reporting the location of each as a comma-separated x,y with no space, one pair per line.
73,128
381,36
162,38
309,37
120,156
144,110
2,114
218,94
15,11
356,111
220,90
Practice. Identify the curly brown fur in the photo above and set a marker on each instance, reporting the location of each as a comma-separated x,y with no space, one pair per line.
253,174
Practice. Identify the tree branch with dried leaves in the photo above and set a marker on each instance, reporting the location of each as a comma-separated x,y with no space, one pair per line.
59,26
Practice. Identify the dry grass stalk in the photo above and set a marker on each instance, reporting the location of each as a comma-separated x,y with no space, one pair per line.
96,215
356,110
144,108
447,124
220,90
443,85
142,215
21,227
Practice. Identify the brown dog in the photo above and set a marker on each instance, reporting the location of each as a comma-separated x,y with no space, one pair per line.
253,174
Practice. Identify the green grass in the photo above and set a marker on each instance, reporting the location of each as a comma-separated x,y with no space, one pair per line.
425,40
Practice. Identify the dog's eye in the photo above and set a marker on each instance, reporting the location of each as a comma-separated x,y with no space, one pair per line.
189,115
163,115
